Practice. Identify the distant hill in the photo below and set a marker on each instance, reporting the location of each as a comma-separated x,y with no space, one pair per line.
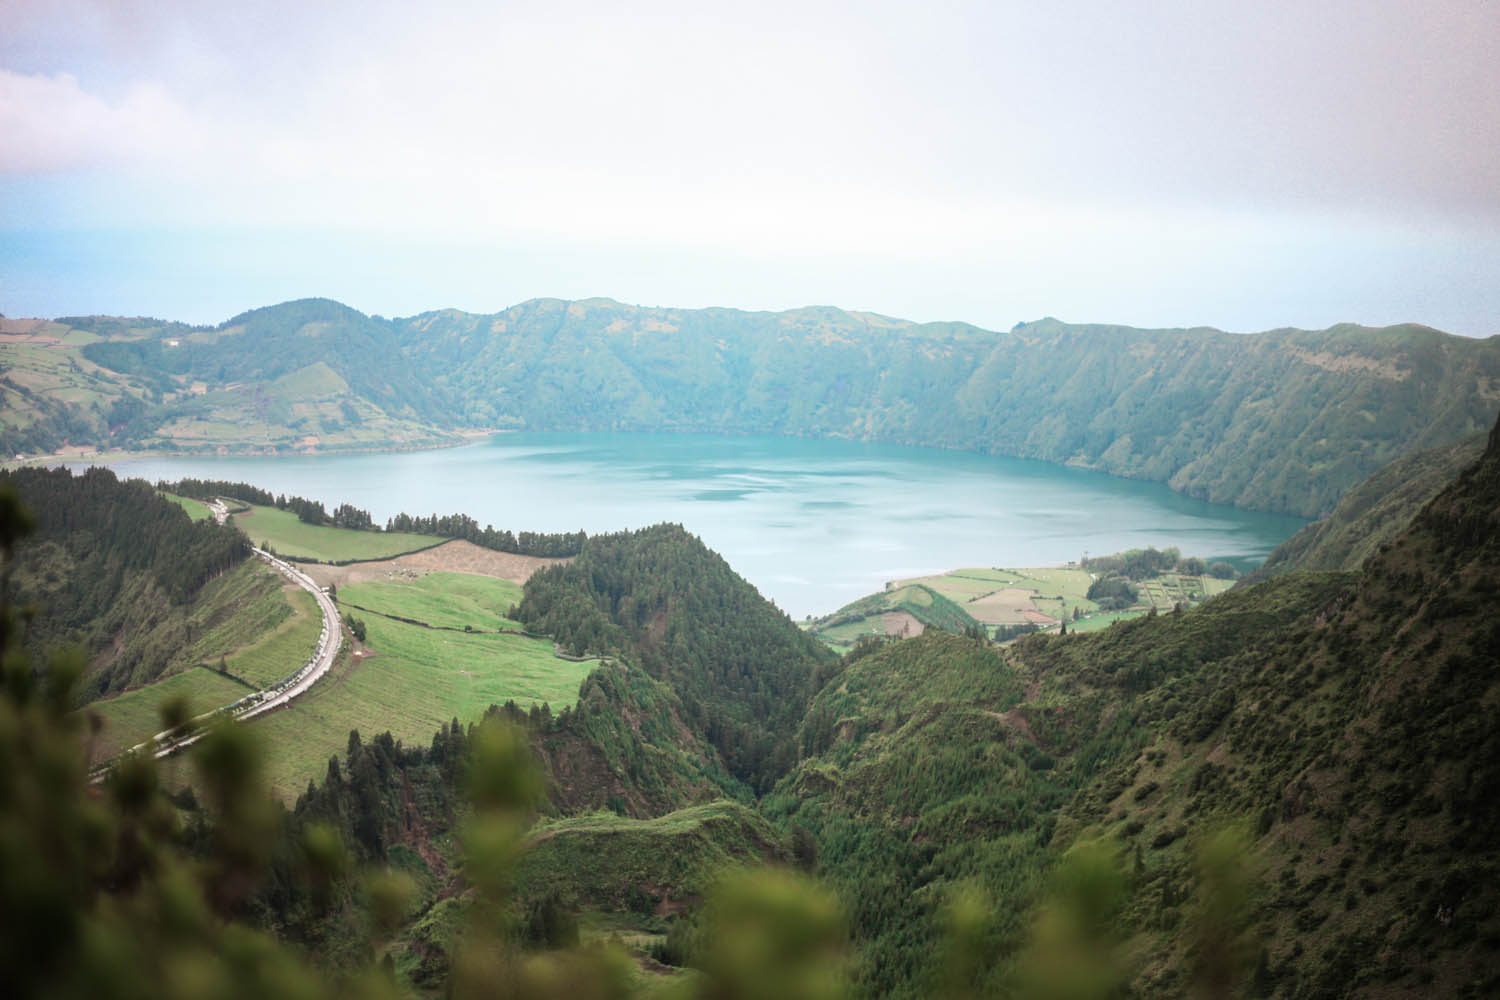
1284,421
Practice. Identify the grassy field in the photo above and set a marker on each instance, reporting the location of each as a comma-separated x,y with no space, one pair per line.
450,600
278,653
290,536
1010,597
415,680
133,716
196,509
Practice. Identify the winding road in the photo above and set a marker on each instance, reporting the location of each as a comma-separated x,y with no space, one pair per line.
330,639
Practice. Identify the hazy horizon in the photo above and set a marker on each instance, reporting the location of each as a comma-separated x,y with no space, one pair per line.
1162,165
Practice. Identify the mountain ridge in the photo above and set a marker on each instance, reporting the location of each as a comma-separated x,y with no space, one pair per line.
1285,420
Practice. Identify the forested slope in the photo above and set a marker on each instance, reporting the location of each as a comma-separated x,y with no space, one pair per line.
115,567
1373,513
1286,420
1341,723
660,599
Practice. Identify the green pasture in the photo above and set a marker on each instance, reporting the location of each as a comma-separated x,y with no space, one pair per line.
451,600
1102,620
415,680
196,509
135,715
279,653
290,536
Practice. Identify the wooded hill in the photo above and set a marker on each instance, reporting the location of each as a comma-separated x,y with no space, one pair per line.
1373,513
117,568
1286,421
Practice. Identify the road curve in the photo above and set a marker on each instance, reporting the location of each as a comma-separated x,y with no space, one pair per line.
330,639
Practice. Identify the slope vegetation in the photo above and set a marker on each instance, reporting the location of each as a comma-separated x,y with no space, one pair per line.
1341,722
1374,513
118,568
1286,420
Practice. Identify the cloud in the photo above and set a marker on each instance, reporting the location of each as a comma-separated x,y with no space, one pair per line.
51,124
1038,147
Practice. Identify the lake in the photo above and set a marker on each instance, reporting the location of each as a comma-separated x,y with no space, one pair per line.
813,523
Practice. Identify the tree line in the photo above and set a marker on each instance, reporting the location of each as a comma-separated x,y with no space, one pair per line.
526,543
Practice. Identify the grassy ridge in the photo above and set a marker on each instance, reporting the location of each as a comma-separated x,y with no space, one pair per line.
290,536
600,860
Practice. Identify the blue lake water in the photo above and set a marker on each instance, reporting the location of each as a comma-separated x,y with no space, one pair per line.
813,523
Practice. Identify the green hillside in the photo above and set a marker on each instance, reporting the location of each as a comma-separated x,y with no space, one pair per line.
867,616
1373,513
661,599
1286,420
1337,720
120,570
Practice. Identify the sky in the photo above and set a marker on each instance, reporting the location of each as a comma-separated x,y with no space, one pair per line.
1244,166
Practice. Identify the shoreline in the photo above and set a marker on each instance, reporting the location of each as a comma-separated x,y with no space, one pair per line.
80,455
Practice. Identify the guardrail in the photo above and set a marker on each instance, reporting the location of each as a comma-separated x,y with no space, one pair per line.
169,741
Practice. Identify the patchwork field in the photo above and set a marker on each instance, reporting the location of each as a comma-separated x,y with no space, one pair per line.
1040,596
1005,601
288,535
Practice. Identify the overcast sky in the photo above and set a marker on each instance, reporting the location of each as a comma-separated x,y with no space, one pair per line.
1241,165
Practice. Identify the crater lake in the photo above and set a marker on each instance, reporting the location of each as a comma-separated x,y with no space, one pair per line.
813,524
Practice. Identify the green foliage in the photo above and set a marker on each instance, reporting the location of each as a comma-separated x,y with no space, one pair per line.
115,564
293,536
1286,420
743,670
529,543
1076,948
775,936
1113,593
